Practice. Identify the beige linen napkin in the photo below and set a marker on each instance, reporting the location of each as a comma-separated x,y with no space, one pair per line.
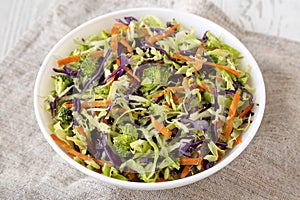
30,169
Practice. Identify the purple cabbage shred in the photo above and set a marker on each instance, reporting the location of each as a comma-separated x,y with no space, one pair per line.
66,70
204,37
98,72
115,159
144,43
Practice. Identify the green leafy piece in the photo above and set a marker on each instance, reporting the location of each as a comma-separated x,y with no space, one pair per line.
140,146
129,129
214,150
89,66
154,76
112,172
63,84
64,116
122,144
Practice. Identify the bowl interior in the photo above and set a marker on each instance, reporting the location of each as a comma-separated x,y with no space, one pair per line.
43,85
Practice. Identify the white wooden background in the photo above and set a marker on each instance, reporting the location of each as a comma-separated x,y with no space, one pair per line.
274,17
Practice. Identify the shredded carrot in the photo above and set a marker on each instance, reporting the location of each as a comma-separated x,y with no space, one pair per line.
123,26
234,104
88,141
207,87
131,175
92,104
190,161
198,56
159,94
246,111
131,74
168,89
238,140
143,31
81,131
96,54
161,128
184,58
111,80
176,100
231,114
161,180
223,68
121,110
68,60
185,171
75,153
179,57
118,62
114,39
167,33
175,88
127,45
96,104
69,149
186,82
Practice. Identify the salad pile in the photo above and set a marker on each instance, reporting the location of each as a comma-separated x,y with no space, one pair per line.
148,101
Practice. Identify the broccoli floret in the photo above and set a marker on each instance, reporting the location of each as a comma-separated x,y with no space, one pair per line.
62,84
89,66
64,115
122,144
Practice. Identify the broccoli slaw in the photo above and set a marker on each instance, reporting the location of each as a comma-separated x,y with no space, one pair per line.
148,101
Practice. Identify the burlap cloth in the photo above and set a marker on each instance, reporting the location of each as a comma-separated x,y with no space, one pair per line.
30,169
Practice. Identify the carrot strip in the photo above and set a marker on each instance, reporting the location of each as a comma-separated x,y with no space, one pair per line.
223,68
96,54
231,114
161,128
175,99
161,180
238,140
75,153
69,149
184,58
123,26
127,45
69,105
178,57
174,88
114,39
190,161
88,141
234,104
68,60
131,175
131,74
111,80
198,56
93,104
159,94
96,104
167,33
186,82
168,89
207,87
246,111
185,171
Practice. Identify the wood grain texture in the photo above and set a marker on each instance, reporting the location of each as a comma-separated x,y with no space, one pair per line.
274,17
16,16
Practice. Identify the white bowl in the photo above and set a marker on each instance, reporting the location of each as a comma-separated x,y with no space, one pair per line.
43,86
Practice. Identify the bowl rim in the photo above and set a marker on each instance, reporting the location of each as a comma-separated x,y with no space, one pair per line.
140,185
